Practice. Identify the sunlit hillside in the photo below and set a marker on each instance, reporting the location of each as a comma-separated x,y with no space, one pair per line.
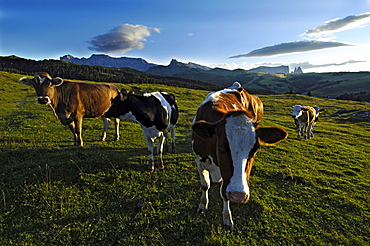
303,192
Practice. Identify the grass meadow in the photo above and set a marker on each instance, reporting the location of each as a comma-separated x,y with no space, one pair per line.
303,192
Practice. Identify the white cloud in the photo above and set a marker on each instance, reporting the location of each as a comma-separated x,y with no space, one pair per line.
308,65
317,38
291,47
338,25
122,38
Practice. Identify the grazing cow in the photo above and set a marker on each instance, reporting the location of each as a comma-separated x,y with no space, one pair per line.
304,119
156,112
225,140
72,101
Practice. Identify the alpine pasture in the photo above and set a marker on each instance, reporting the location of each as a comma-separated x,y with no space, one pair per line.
303,192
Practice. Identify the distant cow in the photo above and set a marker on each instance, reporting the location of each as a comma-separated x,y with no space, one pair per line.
304,119
156,112
226,138
72,101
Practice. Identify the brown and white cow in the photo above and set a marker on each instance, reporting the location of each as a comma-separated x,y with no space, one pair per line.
225,139
72,101
304,119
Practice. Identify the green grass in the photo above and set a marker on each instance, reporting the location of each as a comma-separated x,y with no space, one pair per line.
303,192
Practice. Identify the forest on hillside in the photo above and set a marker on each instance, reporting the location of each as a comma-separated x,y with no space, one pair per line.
67,70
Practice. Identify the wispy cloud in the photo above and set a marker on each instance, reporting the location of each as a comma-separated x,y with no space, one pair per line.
308,65
338,25
311,37
122,38
291,47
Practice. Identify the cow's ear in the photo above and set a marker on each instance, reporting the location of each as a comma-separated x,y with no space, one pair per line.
57,81
204,129
27,81
271,135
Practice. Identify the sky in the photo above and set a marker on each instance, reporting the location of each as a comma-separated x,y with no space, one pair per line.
318,36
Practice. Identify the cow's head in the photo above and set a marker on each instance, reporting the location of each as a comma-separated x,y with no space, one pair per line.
297,111
44,86
238,140
119,105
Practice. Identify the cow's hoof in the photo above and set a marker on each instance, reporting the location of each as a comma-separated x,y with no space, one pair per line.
228,227
160,165
202,210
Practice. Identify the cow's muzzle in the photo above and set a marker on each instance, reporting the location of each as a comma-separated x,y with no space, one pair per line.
43,99
239,197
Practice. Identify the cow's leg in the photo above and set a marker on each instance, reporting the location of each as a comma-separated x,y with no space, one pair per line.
300,131
226,215
205,183
173,142
162,139
150,142
106,126
73,130
78,129
116,126
166,148
310,133
305,131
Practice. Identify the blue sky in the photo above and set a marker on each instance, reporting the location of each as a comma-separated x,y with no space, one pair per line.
319,36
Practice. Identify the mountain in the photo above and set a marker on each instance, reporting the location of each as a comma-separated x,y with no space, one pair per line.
264,69
107,61
297,70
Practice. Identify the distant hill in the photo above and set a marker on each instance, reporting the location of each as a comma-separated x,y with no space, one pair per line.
342,85
69,70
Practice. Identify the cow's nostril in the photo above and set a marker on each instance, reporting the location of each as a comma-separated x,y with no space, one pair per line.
43,100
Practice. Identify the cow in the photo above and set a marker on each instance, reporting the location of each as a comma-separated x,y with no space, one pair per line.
225,139
157,114
73,101
304,119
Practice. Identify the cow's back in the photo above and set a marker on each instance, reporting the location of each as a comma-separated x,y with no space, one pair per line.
308,115
215,108
90,100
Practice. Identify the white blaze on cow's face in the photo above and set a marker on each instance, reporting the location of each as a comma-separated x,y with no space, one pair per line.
43,87
241,135
297,111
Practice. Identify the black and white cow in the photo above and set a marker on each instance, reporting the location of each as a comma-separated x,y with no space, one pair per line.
156,112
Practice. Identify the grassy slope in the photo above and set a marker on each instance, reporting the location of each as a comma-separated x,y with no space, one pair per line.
312,192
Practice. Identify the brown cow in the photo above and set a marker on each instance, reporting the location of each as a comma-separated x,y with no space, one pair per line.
72,101
226,138
304,119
